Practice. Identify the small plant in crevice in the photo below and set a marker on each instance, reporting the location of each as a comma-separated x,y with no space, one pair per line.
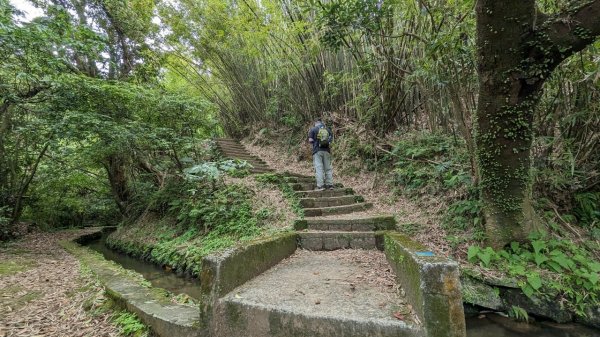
569,271
130,325
518,313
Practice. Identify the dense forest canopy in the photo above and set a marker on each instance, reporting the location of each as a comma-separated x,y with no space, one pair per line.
103,102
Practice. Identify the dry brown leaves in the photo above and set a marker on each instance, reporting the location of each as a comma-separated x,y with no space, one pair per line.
48,299
271,198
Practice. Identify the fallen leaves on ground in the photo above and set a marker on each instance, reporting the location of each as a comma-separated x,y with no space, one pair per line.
48,299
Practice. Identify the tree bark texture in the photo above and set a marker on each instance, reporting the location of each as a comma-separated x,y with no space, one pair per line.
518,48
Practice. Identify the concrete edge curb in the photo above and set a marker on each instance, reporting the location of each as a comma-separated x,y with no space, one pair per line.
151,306
223,272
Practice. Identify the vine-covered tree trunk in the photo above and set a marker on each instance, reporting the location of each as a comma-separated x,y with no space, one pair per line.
518,48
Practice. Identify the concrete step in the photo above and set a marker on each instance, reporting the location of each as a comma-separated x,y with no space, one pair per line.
312,295
330,240
324,194
244,157
297,175
359,224
236,152
330,201
261,170
239,150
301,179
322,211
308,185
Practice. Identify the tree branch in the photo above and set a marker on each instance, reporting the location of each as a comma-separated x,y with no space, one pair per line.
572,31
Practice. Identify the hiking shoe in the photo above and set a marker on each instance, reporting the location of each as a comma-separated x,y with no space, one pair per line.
329,187
320,188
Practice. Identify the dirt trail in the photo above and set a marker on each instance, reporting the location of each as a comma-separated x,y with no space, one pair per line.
43,292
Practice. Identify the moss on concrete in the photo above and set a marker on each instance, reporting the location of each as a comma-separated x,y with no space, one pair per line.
130,291
431,284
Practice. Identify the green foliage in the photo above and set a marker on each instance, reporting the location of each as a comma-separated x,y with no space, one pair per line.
587,208
518,313
130,324
429,163
569,270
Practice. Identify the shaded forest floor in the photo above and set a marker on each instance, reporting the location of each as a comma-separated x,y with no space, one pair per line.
44,291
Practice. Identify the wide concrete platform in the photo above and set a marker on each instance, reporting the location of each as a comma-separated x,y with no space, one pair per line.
320,294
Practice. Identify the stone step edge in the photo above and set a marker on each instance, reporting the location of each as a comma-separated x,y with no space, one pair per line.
335,240
339,197
345,190
375,222
321,211
254,319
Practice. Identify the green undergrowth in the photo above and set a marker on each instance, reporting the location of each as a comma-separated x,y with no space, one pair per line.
282,182
194,216
547,267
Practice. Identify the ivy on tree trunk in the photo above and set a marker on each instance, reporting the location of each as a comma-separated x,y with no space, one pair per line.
518,47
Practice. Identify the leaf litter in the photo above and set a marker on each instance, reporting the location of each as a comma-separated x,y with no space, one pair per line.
50,298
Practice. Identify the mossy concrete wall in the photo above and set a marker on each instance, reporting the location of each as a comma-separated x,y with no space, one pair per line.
165,318
431,284
223,272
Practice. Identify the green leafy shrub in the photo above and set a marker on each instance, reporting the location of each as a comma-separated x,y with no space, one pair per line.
569,270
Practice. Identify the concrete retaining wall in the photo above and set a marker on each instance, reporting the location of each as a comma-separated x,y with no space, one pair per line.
224,272
431,283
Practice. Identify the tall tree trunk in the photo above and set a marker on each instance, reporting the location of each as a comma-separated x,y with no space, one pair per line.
117,176
518,48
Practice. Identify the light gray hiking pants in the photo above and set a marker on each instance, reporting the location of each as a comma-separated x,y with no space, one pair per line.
323,169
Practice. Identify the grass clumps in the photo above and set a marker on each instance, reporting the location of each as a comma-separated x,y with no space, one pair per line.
13,267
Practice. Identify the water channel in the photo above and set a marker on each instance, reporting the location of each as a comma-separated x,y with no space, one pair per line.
489,325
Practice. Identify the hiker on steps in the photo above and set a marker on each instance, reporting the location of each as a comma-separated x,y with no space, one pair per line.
321,137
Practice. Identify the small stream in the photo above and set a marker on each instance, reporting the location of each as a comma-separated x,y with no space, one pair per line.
493,325
489,325
157,276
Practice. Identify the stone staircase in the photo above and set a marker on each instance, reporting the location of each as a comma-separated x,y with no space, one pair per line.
232,149
275,301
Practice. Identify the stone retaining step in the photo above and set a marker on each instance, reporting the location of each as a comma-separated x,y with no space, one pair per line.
330,201
307,186
321,211
325,193
361,224
235,147
313,294
301,179
240,152
261,170
318,240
